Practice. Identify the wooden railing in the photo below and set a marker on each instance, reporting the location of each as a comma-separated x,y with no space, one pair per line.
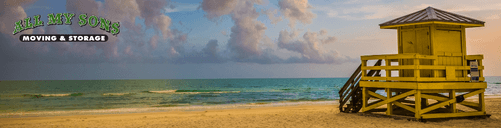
448,75
352,92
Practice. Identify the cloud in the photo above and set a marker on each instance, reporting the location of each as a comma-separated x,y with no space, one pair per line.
128,51
211,48
310,47
271,15
131,37
363,12
224,33
217,8
132,33
162,23
296,10
246,33
323,32
209,54
123,10
181,7
329,40
376,9
177,43
330,11
91,7
153,42
359,1
248,43
151,11
11,12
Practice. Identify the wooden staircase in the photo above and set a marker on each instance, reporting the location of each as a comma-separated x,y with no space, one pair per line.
352,92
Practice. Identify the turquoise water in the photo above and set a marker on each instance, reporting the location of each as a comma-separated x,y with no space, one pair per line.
19,96
57,95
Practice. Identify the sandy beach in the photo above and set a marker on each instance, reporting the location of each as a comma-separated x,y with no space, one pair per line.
285,116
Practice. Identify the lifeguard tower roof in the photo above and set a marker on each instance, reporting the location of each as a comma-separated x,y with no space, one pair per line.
432,16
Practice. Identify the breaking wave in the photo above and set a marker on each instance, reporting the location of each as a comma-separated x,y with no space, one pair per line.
50,95
164,91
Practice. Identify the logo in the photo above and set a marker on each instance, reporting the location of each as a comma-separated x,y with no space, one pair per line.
57,19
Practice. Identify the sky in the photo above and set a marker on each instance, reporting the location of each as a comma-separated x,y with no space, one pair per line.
217,39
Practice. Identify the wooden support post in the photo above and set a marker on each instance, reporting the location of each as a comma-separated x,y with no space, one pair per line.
481,101
388,71
435,72
452,94
364,98
480,72
465,63
364,72
416,69
417,104
389,106
400,71
424,103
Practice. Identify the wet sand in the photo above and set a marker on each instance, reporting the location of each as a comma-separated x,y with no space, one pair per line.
278,116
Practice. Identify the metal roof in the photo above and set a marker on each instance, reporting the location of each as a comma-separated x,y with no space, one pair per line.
431,14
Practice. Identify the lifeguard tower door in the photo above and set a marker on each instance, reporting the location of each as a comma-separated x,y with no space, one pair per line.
448,44
416,40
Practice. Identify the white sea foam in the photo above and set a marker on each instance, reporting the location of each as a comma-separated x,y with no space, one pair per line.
191,92
55,95
227,92
164,91
117,94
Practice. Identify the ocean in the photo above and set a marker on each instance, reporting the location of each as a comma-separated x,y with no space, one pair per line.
81,95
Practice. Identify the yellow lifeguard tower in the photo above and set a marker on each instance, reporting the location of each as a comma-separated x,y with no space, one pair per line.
431,67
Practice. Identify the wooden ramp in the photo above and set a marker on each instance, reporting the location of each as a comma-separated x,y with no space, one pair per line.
352,92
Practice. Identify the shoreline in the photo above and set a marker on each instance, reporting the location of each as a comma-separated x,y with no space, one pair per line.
187,107
162,109
304,115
